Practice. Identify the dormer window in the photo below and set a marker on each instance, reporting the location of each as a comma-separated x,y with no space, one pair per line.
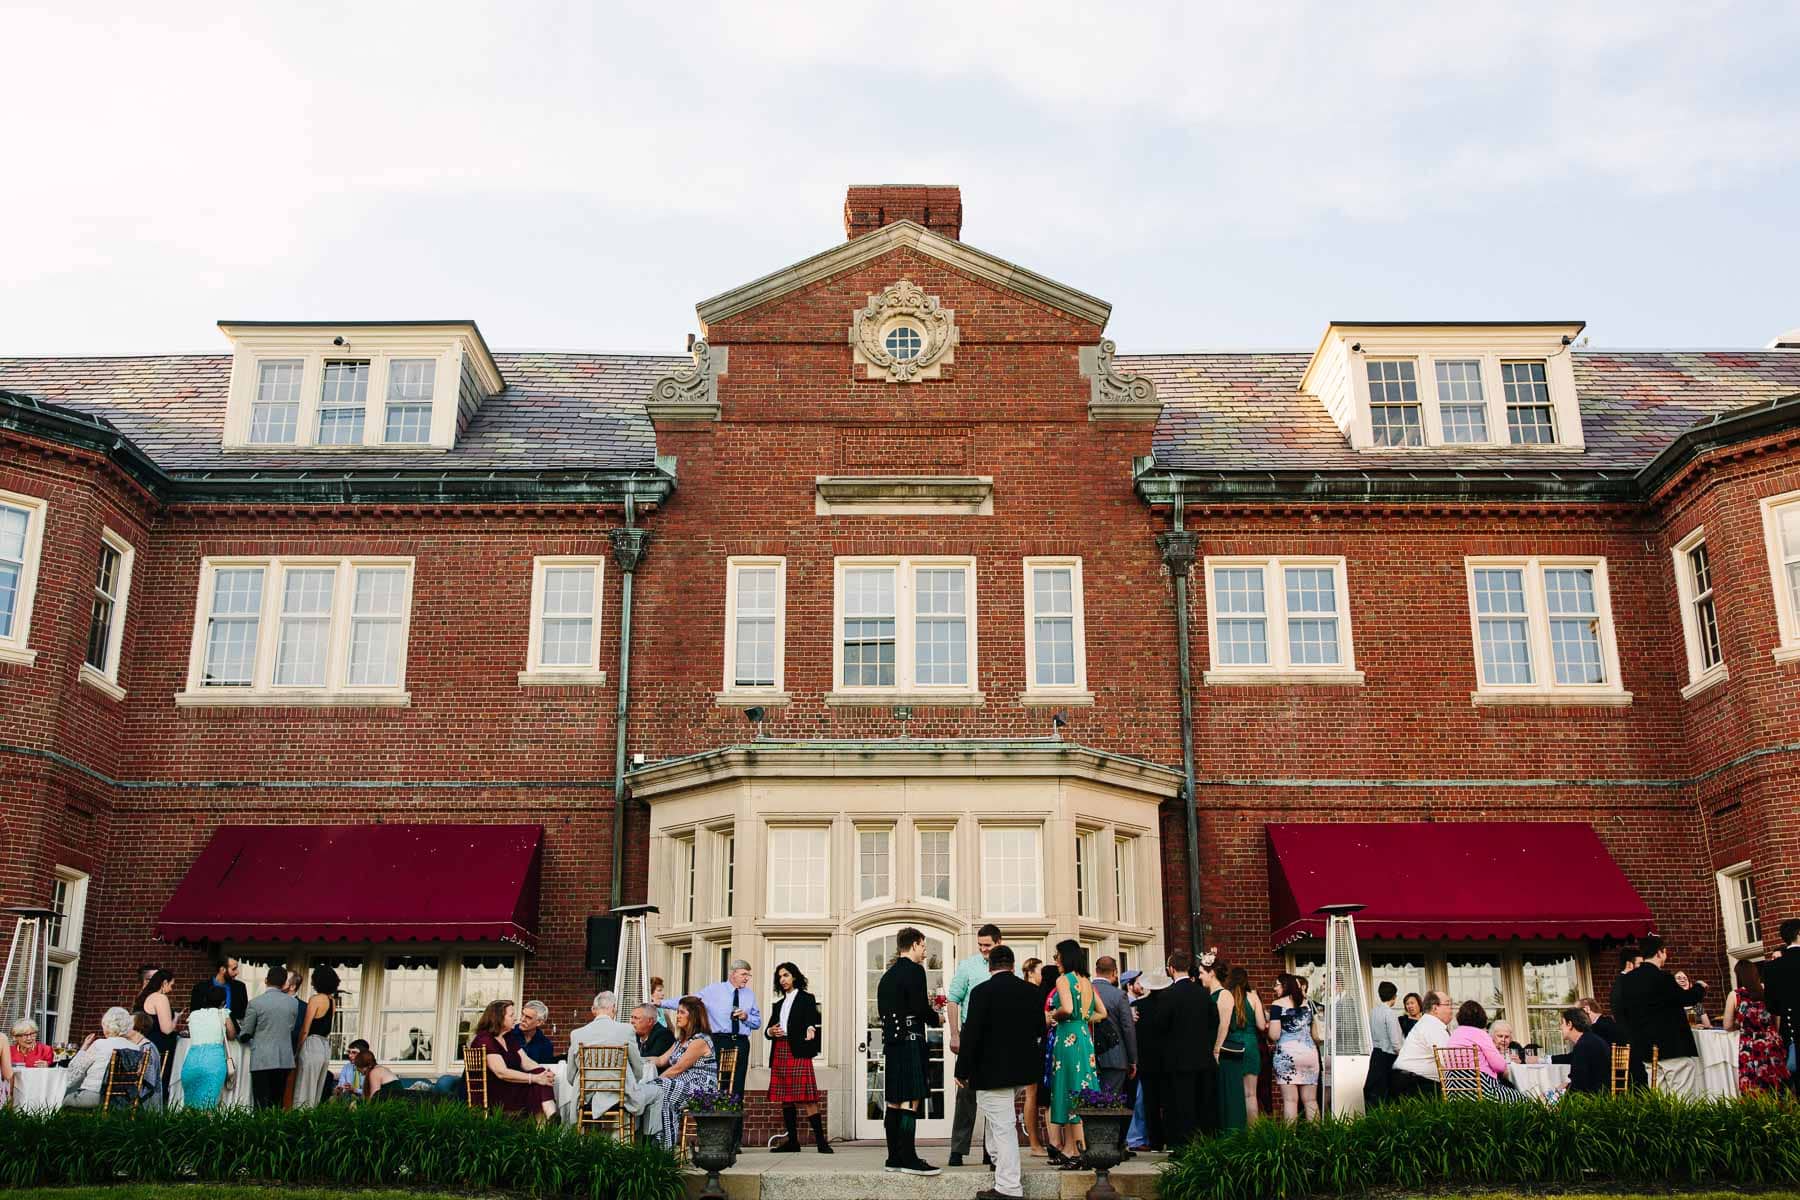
1493,387
308,386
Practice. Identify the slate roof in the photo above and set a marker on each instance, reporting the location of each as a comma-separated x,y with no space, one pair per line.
1245,412
558,412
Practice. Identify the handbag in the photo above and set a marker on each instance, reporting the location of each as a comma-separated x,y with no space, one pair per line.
1106,1036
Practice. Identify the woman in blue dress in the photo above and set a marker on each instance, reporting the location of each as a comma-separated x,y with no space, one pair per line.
203,1071
687,1067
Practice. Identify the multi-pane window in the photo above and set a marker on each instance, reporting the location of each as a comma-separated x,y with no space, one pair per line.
275,412
1477,977
565,617
934,865
798,871
1125,880
1538,982
1552,983
106,619
1781,533
1462,409
1706,615
21,536
755,596
411,383
1012,867
904,343
1542,625
1087,869
303,624
874,865
485,979
342,403
1055,655
409,1005
906,624
1278,615
1699,611
1530,419
687,875
62,936
1394,416
1737,905
725,894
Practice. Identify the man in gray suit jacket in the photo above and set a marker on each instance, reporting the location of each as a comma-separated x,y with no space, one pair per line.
607,1030
1117,1064
269,1029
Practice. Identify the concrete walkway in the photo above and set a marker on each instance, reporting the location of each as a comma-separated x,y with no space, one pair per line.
855,1172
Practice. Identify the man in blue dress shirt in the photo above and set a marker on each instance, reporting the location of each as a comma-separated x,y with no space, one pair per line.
731,1011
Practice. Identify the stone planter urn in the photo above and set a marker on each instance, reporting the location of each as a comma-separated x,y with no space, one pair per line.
715,1148
1103,1130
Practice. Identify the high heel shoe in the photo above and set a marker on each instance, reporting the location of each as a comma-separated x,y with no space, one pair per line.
1057,1157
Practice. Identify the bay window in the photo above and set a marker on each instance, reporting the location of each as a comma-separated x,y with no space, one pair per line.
21,541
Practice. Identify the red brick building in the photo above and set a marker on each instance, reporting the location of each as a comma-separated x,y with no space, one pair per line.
901,546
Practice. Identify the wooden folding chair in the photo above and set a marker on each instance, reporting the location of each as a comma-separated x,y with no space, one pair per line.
1655,1067
603,1069
690,1132
1621,1070
1459,1072
123,1087
475,1076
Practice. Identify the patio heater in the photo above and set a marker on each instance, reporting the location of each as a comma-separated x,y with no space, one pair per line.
25,984
631,965
1346,1010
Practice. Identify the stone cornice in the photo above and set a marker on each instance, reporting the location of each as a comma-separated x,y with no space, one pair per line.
1024,758
950,252
971,495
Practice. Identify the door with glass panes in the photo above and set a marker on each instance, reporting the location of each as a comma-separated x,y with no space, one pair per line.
874,954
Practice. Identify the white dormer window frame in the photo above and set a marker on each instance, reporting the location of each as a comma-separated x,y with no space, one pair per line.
408,368
1464,369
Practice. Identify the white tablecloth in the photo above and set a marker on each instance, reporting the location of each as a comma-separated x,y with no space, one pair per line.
236,1093
1718,1061
39,1089
1536,1079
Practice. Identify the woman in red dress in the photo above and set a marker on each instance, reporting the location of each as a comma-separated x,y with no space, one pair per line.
1762,1059
793,1032
510,1086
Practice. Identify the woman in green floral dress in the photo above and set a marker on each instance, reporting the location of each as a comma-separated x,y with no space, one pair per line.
1072,1012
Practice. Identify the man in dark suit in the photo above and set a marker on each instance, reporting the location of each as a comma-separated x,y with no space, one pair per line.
1630,958
1153,1069
1002,1051
1589,1057
1187,1025
237,996
1781,989
1652,1005
653,1037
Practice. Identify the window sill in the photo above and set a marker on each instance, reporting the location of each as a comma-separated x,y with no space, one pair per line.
1717,675
746,699
295,699
1550,699
905,699
1787,653
562,679
17,655
1048,699
100,683
1281,678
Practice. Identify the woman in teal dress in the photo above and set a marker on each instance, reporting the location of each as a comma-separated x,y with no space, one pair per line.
1072,1066
203,1071
1248,1026
1236,1047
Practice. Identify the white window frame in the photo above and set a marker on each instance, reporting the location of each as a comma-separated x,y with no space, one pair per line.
539,674
66,952
905,689
732,691
724,876
988,905
263,690
919,832
818,982
884,897
1563,403
106,679
1087,867
1700,676
823,833
1051,694
14,647
1741,941
1280,668
1125,879
1786,616
687,875
1544,689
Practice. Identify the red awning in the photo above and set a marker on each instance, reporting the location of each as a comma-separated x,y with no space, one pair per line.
1474,879
360,883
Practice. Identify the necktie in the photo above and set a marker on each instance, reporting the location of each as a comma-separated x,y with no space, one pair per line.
734,1007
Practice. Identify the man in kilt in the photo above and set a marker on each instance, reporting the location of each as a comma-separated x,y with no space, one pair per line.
904,1005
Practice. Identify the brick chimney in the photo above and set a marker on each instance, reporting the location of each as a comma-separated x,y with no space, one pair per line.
938,207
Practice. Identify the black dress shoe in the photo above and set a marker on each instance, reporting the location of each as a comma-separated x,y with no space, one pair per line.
987,1160
956,1160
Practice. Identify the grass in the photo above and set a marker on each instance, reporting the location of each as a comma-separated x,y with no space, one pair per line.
202,1191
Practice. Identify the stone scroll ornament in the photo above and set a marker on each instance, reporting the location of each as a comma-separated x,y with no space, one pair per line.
904,302
1114,395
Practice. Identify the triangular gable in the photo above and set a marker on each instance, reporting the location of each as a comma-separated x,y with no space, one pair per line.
949,251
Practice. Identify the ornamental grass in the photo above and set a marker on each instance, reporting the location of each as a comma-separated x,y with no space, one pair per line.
1425,1146
426,1147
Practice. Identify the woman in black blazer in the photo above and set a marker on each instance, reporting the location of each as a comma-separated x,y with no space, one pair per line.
793,1029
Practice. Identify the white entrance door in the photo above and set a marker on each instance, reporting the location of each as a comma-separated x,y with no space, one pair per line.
874,954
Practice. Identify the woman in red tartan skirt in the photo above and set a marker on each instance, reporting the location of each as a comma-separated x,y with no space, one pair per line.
793,1030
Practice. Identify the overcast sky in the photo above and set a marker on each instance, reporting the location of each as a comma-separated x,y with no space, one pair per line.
577,177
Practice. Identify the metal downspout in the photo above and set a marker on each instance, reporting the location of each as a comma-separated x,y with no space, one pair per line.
1178,548
628,546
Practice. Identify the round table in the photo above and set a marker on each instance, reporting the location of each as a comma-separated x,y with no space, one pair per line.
1538,1079
1718,1062
39,1089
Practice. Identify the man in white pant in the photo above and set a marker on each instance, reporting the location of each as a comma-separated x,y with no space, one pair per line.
1002,1051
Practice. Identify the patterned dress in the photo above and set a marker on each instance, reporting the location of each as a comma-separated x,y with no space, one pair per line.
1296,1054
703,1076
1762,1060
1072,1053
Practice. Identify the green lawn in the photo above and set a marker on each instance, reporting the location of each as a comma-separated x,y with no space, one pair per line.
214,1192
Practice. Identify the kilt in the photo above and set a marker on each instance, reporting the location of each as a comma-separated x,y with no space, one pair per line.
791,1080
904,1066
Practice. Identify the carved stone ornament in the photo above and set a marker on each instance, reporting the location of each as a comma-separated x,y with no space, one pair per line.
1114,395
904,305
690,393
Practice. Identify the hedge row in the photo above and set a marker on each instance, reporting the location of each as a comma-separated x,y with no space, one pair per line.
437,1147
1430,1146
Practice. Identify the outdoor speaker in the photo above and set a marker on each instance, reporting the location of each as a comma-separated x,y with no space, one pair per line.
603,943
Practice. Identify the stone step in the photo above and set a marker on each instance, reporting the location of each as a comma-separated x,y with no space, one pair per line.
856,1173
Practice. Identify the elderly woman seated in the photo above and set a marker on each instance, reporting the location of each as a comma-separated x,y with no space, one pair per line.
1471,1030
87,1072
